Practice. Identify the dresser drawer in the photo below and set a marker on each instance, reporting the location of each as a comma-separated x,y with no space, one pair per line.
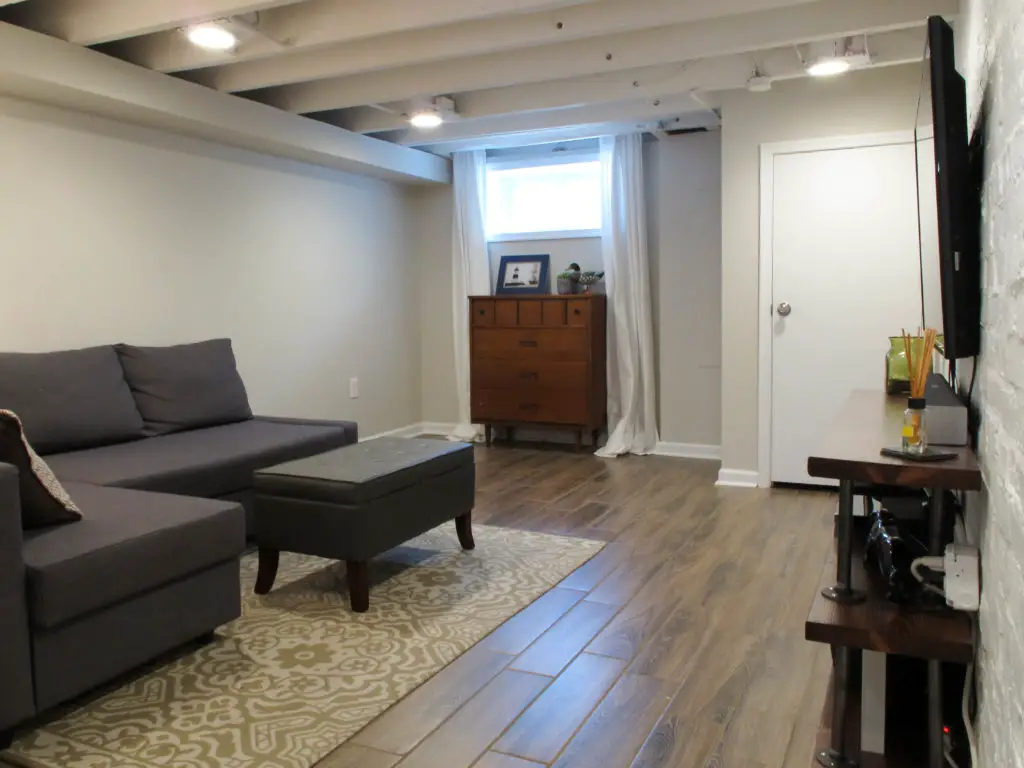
529,345
481,312
541,406
515,374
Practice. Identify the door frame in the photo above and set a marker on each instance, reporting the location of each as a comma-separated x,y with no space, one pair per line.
765,306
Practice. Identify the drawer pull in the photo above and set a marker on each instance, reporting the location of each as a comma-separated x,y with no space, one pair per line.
576,311
528,375
528,406
481,313
527,343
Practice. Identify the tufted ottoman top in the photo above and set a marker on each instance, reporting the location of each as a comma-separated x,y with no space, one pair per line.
363,471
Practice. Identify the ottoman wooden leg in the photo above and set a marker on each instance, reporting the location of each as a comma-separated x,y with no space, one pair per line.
269,559
358,585
463,525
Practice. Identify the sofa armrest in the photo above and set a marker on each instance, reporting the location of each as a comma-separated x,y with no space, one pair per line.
351,428
17,701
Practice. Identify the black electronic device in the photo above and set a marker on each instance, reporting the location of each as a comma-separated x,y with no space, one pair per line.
950,278
893,546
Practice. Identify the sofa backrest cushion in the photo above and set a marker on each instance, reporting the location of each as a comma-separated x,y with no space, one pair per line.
186,386
44,502
69,400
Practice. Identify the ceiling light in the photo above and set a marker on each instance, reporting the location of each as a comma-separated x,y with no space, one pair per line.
828,66
426,119
212,37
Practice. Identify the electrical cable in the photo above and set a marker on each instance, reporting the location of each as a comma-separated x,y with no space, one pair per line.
965,703
933,563
974,374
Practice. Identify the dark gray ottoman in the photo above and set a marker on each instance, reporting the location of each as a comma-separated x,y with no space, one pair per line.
356,502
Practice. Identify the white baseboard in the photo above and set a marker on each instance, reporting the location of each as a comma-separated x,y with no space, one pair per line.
435,428
688,450
737,478
409,430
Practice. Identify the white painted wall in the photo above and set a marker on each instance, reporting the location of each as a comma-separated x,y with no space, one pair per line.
684,205
115,233
992,61
871,101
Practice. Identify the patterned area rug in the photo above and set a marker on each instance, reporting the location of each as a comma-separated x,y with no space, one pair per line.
299,673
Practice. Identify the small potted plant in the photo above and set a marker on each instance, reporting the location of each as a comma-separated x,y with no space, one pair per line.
567,280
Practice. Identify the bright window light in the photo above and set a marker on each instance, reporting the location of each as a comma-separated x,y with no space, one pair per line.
563,198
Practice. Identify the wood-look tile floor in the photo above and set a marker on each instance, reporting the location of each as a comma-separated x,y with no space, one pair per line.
679,646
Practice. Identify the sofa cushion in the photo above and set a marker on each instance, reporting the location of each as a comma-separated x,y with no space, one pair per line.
204,462
43,499
128,543
68,400
186,386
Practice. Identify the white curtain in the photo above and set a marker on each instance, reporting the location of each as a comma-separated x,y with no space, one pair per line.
471,269
632,420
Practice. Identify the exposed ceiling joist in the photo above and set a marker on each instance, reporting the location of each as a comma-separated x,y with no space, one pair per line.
712,74
43,69
9,2
319,22
701,39
637,112
90,22
456,40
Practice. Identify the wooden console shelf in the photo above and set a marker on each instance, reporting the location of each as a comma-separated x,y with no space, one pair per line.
850,613
879,625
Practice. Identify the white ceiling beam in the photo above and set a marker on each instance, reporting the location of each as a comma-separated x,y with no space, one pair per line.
712,74
319,22
653,83
696,40
584,118
456,40
9,2
43,69
89,22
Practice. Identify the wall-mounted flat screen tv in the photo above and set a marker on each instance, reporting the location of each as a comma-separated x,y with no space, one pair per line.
950,252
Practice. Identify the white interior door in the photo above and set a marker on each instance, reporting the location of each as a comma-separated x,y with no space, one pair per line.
845,276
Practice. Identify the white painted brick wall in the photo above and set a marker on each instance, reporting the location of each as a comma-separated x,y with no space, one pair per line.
990,44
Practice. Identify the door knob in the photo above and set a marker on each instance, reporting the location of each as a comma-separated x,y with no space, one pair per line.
783,309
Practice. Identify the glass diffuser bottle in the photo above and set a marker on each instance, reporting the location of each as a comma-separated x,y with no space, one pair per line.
915,436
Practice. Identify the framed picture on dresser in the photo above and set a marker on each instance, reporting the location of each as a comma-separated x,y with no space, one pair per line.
524,275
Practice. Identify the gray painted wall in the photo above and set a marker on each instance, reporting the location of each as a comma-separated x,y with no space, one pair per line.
114,233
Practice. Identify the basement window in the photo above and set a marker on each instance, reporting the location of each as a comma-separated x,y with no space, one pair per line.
546,197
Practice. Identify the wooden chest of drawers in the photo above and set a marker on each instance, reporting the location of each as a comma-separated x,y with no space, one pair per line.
538,361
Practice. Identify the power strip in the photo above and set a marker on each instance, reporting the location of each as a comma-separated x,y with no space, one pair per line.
961,584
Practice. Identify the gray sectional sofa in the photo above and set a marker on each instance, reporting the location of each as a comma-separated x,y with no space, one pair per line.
158,456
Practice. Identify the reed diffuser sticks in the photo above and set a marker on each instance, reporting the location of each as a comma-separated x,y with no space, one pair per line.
921,365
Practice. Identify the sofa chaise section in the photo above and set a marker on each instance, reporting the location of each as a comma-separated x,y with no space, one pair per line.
140,574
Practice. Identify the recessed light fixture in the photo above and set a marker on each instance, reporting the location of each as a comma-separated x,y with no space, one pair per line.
426,118
212,37
826,67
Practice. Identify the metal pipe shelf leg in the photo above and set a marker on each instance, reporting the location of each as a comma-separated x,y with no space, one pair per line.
835,756
843,591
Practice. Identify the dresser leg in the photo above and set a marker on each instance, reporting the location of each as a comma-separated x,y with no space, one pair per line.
511,435
487,435
579,440
594,435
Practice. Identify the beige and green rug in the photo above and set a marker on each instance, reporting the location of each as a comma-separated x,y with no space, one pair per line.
299,673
